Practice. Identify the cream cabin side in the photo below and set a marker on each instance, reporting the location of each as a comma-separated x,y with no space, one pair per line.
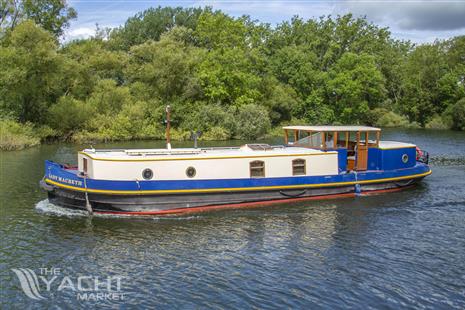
285,162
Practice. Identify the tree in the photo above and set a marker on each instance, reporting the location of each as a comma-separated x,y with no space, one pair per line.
69,114
52,15
107,98
89,61
425,66
30,73
252,122
151,24
280,99
216,30
296,66
457,114
167,67
355,86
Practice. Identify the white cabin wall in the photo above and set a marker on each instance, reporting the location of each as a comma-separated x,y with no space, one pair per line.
230,168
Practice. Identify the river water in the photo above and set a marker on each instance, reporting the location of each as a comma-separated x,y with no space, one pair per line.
404,249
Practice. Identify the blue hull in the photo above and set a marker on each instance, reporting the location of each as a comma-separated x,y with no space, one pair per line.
67,188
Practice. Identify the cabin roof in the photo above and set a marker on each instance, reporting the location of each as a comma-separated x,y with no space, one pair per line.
204,153
332,128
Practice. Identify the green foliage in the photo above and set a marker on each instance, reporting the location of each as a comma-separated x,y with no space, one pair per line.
30,73
207,117
356,86
279,99
109,99
216,30
216,133
16,136
252,122
89,61
456,113
227,77
69,115
437,122
386,118
166,67
151,24
51,15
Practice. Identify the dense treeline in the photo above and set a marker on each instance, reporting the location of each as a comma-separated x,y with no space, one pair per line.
228,77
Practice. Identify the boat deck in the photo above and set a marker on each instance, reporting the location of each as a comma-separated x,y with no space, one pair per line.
243,151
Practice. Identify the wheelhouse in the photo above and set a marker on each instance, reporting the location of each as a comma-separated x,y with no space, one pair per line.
351,142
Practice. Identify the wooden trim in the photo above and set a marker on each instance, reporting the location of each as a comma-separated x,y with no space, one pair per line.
378,135
335,140
323,140
286,136
347,140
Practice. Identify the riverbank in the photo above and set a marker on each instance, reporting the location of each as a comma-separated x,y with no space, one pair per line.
16,136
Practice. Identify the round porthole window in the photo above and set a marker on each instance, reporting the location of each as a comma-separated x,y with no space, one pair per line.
190,172
405,158
147,174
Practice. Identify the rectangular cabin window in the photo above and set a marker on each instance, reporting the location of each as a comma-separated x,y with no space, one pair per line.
257,169
342,139
298,167
84,165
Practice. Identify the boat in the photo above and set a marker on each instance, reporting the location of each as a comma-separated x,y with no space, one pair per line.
314,162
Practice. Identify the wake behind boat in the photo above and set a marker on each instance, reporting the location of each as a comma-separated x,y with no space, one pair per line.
314,162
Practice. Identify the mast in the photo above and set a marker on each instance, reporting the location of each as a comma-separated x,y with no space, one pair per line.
168,138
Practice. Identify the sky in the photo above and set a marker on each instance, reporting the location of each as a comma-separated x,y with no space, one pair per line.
419,21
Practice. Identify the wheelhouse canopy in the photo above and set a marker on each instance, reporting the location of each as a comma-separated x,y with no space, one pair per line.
332,128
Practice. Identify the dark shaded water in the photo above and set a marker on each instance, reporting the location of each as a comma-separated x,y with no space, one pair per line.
387,251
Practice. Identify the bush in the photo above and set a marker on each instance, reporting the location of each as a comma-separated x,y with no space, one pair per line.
206,117
179,135
108,98
276,132
456,114
437,122
69,114
135,121
391,119
252,122
216,134
16,136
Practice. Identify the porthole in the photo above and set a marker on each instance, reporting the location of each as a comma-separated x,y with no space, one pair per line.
147,174
190,172
405,158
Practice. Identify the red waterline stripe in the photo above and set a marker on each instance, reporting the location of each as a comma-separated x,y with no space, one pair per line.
234,205
381,191
255,204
